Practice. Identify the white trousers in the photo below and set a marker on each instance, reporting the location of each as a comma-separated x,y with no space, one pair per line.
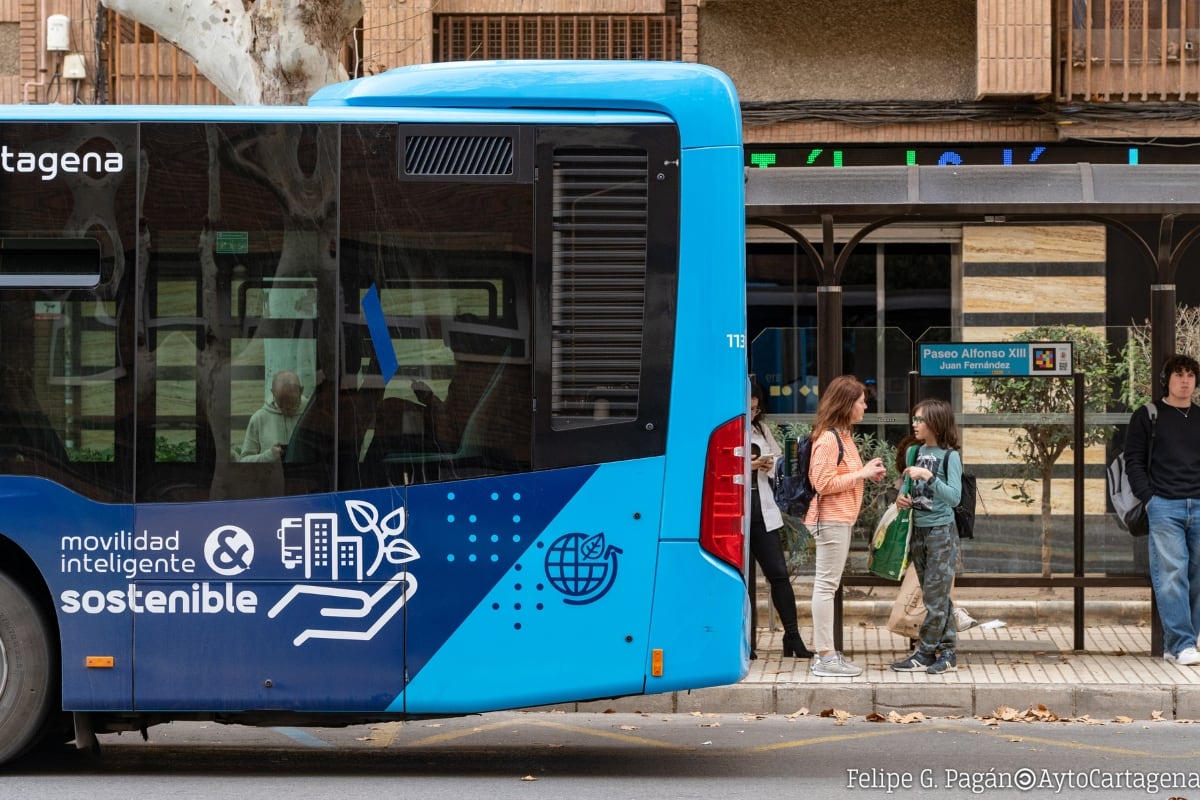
833,547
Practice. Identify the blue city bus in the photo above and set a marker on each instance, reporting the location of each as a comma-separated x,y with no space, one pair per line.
425,399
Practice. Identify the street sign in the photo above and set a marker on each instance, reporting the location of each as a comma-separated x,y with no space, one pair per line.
989,359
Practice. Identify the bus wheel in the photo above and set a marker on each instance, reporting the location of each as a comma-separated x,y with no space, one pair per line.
26,656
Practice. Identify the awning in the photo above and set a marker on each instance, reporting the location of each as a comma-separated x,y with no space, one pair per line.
801,195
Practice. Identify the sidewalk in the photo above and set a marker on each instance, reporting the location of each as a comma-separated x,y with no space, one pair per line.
1019,666
1016,666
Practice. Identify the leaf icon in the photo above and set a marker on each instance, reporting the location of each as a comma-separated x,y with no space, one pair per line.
393,524
363,515
593,547
400,551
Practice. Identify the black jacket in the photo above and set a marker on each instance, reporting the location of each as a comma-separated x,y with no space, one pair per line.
1174,469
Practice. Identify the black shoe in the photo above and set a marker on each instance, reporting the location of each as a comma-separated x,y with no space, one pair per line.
946,662
917,662
793,646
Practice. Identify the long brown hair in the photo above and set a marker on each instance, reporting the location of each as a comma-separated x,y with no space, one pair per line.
836,409
939,417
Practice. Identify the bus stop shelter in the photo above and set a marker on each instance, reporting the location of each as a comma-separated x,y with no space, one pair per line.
808,204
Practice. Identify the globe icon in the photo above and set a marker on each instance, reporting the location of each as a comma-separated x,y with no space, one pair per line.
581,566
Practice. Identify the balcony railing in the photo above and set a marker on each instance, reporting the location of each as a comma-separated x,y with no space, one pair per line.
1128,50
478,37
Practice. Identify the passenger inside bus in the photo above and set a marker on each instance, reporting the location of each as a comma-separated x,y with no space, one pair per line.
271,427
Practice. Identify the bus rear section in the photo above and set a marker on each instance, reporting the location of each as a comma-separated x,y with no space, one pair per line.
425,400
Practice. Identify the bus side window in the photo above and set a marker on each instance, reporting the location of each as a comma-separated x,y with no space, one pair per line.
26,434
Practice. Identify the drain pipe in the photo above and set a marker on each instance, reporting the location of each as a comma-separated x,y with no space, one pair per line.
41,56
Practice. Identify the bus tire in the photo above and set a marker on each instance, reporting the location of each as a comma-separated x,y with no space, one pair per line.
26,667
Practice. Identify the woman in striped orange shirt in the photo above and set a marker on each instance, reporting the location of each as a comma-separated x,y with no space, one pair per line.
837,473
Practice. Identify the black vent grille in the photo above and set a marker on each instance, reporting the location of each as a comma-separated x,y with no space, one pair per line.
601,201
458,155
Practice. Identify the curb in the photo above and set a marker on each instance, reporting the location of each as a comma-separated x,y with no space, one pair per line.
1098,702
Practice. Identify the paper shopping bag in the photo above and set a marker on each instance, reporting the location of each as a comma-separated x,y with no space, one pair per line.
908,612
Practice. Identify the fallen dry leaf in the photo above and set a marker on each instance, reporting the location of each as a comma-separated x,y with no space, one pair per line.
628,727
1038,713
838,714
1123,720
803,712
529,778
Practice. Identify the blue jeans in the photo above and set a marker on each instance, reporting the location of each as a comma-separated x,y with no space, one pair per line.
1175,569
934,555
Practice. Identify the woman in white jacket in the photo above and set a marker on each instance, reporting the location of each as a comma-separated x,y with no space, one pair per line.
766,522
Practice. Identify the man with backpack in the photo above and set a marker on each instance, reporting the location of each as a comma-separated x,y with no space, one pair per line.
1164,474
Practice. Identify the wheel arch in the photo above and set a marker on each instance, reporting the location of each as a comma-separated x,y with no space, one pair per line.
17,564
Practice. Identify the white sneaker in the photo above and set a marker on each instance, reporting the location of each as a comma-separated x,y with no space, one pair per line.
962,620
1188,657
835,666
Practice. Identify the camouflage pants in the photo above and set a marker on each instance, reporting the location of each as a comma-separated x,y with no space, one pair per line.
934,555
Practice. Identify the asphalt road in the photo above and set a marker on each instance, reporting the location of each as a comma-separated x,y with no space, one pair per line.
606,756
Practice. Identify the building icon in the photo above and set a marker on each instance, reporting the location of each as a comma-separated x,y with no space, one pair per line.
312,541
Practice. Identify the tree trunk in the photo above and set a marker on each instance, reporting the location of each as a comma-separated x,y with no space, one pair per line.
272,52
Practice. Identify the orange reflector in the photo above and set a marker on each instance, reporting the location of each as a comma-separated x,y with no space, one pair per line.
656,663
99,662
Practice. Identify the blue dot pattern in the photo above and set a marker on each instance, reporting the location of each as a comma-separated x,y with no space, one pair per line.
470,538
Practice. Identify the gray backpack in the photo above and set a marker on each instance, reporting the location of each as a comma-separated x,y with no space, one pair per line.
1130,511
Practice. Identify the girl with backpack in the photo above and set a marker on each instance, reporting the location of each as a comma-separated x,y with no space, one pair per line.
837,474
936,486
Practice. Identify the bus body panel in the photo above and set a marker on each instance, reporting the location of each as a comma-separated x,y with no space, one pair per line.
512,566
568,619
709,377
693,629
688,93
342,589
70,538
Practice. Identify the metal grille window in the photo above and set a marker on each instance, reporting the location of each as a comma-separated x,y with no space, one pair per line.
598,291
479,37
1128,50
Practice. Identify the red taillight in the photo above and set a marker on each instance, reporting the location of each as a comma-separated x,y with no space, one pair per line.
722,513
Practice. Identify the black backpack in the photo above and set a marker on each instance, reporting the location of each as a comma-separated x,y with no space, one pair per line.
964,512
794,492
